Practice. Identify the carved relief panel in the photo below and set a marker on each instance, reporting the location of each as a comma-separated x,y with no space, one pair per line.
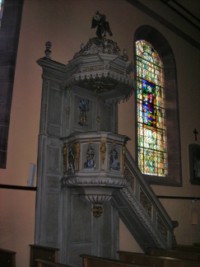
85,111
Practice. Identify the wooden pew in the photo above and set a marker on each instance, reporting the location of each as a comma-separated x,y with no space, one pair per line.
188,248
196,244
185,255
42,252
7,258
94,261
45,263
156,261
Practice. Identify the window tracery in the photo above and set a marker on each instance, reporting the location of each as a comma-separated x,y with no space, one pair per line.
157,115
152,154
1,10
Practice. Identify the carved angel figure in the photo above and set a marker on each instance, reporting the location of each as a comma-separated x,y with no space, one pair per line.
114,160
103,27
84,108
90,158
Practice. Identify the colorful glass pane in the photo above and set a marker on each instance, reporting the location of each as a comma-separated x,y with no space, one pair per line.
152,144
1,9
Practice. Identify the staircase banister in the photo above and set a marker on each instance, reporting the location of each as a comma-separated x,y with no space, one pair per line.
147,189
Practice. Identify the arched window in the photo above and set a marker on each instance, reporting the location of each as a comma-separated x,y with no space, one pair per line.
151,128
9,33
157,138
1,9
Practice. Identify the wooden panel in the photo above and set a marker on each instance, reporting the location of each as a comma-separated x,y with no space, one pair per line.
156,261
186,255
188,248
44,263
42,252
7,258
93,261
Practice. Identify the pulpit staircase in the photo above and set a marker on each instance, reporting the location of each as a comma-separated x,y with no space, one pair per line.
142,212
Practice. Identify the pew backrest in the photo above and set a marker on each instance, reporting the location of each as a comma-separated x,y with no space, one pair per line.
45,263
196,244
94,261
42,252
156,261
188,248
185,255
7,258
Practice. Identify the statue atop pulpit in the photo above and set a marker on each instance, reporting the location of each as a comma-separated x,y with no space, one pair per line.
101,68
100,22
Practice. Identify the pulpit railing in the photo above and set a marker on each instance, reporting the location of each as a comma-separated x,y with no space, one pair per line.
138,199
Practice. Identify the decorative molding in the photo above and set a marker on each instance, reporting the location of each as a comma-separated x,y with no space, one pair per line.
183,12
18,187
178,197
100,68
165,22
97,210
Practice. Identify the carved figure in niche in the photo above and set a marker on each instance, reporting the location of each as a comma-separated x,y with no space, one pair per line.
90,158
114,160
71,159
84,108
103,27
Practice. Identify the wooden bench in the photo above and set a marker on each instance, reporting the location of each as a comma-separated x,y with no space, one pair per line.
196,244
155,261
185,255
42,252
7,258
94,261
45,263
188,248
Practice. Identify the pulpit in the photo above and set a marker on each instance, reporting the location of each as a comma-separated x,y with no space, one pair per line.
80,153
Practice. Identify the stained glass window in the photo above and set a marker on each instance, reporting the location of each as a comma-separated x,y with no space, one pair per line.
1,9
151,129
